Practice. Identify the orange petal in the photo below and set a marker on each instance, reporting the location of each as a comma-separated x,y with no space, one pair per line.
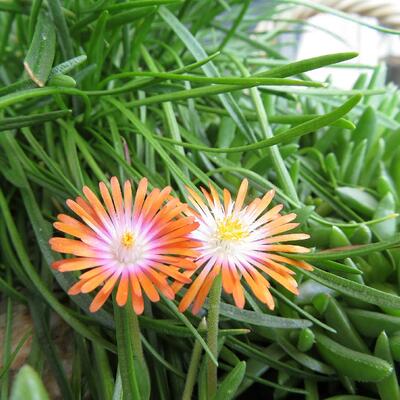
215,196
163,219
195,286
177,285
76,288
181,232
286,248
263,204
137,304
257,276
270,215
89,219
136,288
70,246
283,219
279,228
139,198
241,195
303,264
92,273
202,294
86,207
296,263
238,295
227,279
117,195
123,290
208,197
165,226
128,200
75,264
149,201
286,281
177,261
99,299
105,194
97,206
227,199
160,283
281,269
148,287
177,251
259,290
196,199
104,293
157,202
181,242
171,272
76,229
92,283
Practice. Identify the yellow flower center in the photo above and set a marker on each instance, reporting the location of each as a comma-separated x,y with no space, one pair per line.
128,239
231,229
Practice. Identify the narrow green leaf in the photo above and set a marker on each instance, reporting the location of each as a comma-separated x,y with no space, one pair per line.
29,120
256,352
353,289
40,56
309,64
64,37
209,69
350,251
231,383
14,354
290,134
259,319
228,80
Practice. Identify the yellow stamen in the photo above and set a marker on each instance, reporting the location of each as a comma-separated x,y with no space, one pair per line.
231,229
127,239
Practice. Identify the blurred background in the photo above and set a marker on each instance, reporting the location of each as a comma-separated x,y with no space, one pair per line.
320,33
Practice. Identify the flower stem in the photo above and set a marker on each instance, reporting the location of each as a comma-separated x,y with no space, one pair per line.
212,334
129,348
193,366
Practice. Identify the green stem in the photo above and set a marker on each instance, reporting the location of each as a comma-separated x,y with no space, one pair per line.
212,334
193,366
129,348
136,339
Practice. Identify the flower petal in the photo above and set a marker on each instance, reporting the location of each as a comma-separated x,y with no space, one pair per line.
241,196
123,290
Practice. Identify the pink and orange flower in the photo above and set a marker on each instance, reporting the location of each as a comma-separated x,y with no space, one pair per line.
241,241
133,242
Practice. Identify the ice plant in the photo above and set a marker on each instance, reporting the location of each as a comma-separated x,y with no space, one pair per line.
235,242
135,242
241,242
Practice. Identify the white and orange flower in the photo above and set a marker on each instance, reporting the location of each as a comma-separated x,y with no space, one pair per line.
134,242
241,241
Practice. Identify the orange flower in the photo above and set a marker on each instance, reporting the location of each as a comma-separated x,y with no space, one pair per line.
241,242
138,242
